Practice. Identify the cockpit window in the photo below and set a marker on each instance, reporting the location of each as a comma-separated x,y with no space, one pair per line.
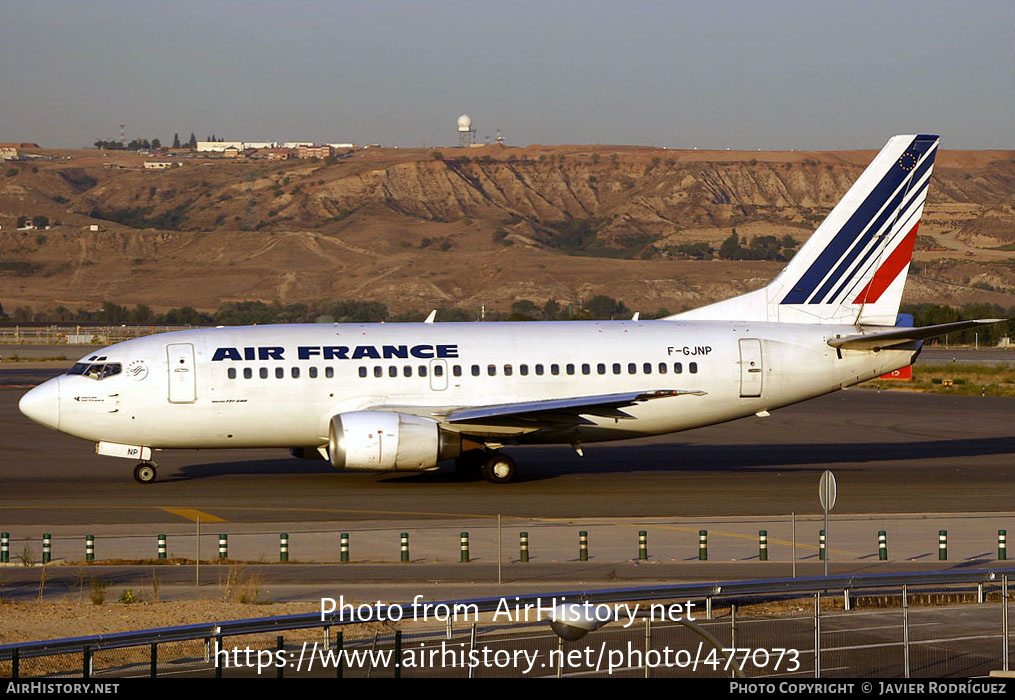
96,370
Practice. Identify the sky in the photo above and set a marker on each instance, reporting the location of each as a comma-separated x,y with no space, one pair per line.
772,74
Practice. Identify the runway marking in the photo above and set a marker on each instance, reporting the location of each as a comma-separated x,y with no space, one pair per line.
193,514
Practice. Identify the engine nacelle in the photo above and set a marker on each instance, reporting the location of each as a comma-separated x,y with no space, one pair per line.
388,441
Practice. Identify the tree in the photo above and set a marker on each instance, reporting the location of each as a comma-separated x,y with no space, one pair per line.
604,307
192,144
156,143
176,140
40,221
730,248
552,310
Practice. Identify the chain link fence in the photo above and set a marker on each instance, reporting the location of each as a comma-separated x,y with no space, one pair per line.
950,631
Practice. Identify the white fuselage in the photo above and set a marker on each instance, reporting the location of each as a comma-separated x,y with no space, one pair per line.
279,386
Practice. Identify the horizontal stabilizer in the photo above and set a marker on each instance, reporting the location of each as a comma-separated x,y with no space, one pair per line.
898,336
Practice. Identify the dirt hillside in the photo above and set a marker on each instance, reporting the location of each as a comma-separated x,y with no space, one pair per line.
421,229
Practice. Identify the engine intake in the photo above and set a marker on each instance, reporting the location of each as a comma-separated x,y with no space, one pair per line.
389,441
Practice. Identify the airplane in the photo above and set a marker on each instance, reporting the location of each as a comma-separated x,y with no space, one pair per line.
406,396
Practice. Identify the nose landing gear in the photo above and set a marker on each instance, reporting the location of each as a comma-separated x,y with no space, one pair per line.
145,472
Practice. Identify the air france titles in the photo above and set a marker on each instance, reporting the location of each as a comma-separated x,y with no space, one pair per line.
338,352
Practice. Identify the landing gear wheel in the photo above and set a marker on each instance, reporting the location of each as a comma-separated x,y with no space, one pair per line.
499,469
469,464
145,472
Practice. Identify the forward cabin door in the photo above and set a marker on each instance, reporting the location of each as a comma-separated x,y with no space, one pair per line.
751,368
182,380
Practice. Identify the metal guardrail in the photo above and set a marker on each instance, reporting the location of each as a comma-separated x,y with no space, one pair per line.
725,589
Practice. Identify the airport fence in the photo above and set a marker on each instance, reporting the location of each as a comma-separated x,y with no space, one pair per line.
938,624
79,335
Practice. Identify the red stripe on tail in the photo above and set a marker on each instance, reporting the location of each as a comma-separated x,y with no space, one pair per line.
889,269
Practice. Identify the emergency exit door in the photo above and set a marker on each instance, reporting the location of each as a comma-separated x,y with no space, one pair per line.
751,368
182,382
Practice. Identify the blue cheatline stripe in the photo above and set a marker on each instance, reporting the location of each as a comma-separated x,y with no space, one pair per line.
888,212
857,274
856,224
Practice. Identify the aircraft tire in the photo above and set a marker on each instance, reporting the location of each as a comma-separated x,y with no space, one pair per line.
499,469
145,472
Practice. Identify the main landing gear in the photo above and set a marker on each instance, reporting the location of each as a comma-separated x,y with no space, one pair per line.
494,466
145,472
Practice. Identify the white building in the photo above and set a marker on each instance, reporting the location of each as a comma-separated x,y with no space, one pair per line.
218,146
297,144
342,145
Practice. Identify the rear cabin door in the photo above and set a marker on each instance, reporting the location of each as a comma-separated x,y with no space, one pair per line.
751,368
182,382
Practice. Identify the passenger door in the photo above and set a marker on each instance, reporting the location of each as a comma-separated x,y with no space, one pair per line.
182,379
751,368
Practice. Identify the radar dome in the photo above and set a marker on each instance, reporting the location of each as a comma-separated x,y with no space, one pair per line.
464,122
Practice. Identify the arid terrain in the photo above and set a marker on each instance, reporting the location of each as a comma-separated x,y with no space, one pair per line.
419,229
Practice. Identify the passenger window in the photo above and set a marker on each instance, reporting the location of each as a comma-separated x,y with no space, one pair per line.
231,373
392,371
438,371
616,368
475,370
523,370
247,373
632,368
539,370
279,373
555,370
329,372
491,370
457,370
313,372
264,373
407,371
601,368
296,372
677,368
586,368
647,368
378,372
422,370
662,368
693,367
507,370
569,368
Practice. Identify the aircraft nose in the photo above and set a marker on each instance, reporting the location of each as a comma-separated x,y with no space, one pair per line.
42,404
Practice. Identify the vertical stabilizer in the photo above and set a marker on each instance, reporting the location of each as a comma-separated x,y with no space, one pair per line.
853,267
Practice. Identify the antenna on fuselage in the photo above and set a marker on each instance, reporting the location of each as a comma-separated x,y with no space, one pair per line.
431,317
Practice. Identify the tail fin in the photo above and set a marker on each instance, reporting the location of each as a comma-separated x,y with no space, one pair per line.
852,270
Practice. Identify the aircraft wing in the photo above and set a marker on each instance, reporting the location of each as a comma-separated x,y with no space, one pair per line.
553,410
899,336
534,415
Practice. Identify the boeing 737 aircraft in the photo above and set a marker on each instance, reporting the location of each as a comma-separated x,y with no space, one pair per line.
405,396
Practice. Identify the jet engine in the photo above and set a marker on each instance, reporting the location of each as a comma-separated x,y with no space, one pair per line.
389,441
